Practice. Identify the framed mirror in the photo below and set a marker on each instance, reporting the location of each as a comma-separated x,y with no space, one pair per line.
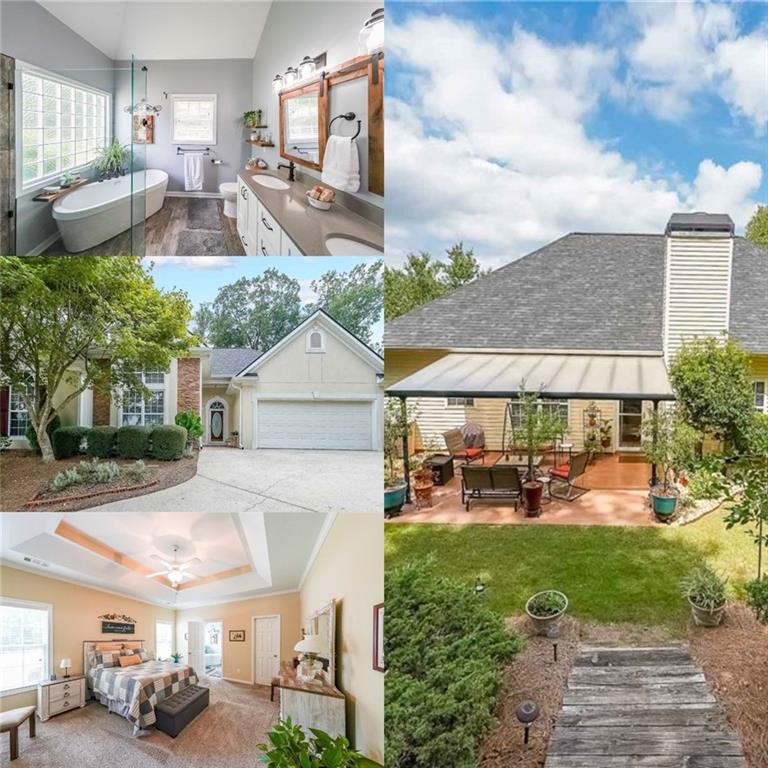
322,624
303,125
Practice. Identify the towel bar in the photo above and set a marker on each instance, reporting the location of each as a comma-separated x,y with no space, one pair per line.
180,151
346,116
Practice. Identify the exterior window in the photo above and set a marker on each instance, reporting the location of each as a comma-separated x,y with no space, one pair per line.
465,401
63,125
315,341
558,407
25,643
761,402
138,411
18,417
163,639
193,118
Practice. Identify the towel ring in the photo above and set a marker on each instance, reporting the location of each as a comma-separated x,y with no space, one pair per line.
346,116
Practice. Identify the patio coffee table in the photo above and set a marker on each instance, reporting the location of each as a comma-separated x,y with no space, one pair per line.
516,460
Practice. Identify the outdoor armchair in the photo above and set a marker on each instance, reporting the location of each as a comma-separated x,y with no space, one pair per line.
566,475
458,449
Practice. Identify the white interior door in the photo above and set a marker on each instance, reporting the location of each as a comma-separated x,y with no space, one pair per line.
266,649
196,646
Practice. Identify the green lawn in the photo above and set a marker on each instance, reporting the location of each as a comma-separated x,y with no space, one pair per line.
609,574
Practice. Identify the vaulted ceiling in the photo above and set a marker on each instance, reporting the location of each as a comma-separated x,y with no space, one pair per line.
241,556
202,29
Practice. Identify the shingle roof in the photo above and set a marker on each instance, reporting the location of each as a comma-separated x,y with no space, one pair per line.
582,292
229,362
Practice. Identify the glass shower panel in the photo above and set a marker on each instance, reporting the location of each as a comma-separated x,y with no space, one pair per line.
140,132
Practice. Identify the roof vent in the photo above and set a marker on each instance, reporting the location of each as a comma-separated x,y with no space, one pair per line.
35,561
701,224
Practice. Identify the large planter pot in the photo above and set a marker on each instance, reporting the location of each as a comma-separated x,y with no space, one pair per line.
394,498
703,617
532,490
542,623
664,507
422,487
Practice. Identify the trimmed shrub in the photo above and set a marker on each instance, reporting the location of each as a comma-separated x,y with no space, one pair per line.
101,442
66,441
31,435
137,472
445,650
133,442
191,421
95,471
168,442
65,479
757,598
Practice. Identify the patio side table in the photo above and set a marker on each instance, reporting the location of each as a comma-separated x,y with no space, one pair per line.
442,469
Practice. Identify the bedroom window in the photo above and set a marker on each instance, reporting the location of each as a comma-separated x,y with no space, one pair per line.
18,417
163,639
25,643
145,412
63,124
193,117
761,401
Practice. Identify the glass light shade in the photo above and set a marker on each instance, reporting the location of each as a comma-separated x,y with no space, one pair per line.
291,75
277,83
372,34
306,68
310,644
175,576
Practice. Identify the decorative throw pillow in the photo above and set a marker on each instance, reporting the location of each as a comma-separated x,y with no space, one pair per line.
107,659
126,653
142,654
108,646
129,661
131,646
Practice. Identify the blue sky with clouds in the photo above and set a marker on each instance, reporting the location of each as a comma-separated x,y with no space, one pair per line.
509,124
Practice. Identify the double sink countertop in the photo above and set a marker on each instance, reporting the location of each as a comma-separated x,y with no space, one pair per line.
309,227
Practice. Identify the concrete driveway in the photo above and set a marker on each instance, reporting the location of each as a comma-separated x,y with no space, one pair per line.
230,480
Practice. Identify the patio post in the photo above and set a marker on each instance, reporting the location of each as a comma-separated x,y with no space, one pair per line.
654,476
406,468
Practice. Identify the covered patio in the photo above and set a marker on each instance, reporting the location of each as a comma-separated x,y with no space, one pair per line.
618,483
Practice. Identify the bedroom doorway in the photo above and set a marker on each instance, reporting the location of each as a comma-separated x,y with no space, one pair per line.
213,648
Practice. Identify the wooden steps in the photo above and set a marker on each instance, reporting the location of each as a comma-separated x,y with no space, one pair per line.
641,708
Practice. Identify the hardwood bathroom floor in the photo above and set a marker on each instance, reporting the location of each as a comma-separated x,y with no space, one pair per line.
182,227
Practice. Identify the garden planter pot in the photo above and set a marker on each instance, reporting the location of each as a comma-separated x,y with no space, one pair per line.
542,623
703,617
422,487
532,491
394,498
664,506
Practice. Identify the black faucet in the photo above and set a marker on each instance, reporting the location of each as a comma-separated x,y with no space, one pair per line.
291,170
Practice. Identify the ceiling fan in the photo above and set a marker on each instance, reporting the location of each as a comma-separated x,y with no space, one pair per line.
175,572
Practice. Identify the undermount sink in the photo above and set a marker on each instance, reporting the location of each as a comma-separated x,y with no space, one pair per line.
269,181
338,245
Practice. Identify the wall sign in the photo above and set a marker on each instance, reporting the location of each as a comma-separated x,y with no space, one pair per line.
117,628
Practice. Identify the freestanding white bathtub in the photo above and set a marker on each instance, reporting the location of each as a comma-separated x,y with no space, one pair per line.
102,209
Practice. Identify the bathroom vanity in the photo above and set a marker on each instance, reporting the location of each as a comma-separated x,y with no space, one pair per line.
274,218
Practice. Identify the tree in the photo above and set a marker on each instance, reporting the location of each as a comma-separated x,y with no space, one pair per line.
711,379
253,312
421,280
203,323
75,312
354,299
757,229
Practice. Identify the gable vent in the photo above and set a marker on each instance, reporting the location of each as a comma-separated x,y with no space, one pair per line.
35,561
699,257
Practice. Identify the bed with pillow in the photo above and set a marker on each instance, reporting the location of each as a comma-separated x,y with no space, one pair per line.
129,682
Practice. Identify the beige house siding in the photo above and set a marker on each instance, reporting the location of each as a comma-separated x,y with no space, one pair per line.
760,367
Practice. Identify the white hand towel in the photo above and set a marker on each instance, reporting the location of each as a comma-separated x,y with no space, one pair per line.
193,171
341,163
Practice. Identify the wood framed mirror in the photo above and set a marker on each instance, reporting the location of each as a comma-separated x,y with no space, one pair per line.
322,624
304,125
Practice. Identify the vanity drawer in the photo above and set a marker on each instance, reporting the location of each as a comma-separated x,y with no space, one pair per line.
269,232
266,248
287,246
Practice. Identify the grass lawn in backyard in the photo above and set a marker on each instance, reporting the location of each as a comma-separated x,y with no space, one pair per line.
610,574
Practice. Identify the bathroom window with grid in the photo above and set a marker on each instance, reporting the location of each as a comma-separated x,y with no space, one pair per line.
137,410
63,126
193,118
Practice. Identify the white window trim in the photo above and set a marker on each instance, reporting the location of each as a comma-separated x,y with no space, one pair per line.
194,97
764,382
154,388
35,186
13,602
17,438
315,350
168,623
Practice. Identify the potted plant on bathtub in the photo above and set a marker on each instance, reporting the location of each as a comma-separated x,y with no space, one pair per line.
111,160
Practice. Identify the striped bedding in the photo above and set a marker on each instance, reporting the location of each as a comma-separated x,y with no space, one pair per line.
135,690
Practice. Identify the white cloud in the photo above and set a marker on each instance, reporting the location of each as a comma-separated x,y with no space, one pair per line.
743,66
194,262
492,148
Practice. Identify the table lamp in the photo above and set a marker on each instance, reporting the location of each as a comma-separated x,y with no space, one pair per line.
65,665
310,646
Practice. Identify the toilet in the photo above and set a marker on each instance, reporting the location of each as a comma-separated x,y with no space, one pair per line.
229,191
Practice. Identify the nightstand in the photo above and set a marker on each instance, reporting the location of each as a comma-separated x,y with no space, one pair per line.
57,696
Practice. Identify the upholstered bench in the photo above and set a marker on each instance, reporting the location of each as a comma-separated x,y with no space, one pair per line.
176,712
11,720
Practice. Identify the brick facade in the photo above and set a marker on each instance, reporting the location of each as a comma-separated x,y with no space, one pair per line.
188,395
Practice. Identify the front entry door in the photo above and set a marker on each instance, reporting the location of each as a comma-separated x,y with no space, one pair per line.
216,422
630,423
266,649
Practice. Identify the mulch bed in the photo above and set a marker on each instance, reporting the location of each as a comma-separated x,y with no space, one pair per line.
734,657
23,476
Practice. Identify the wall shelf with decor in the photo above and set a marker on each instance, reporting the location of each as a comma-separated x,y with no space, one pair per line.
258,143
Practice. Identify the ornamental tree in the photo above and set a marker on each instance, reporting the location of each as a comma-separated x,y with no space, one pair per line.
757,229
61,318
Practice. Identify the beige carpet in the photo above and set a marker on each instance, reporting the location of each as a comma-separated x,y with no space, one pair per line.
225,735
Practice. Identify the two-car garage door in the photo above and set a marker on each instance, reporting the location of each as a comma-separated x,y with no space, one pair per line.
339,425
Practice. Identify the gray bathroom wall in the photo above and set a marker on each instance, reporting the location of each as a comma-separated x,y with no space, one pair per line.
32,35
229,79
297,29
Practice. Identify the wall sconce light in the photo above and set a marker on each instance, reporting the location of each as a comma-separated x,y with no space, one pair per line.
527,711
306,68
371,36
277,83
291,75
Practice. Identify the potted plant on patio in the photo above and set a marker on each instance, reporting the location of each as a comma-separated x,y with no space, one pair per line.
396,424
670,444
606,434
593,444
705,592
545,608
539,427
423,479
